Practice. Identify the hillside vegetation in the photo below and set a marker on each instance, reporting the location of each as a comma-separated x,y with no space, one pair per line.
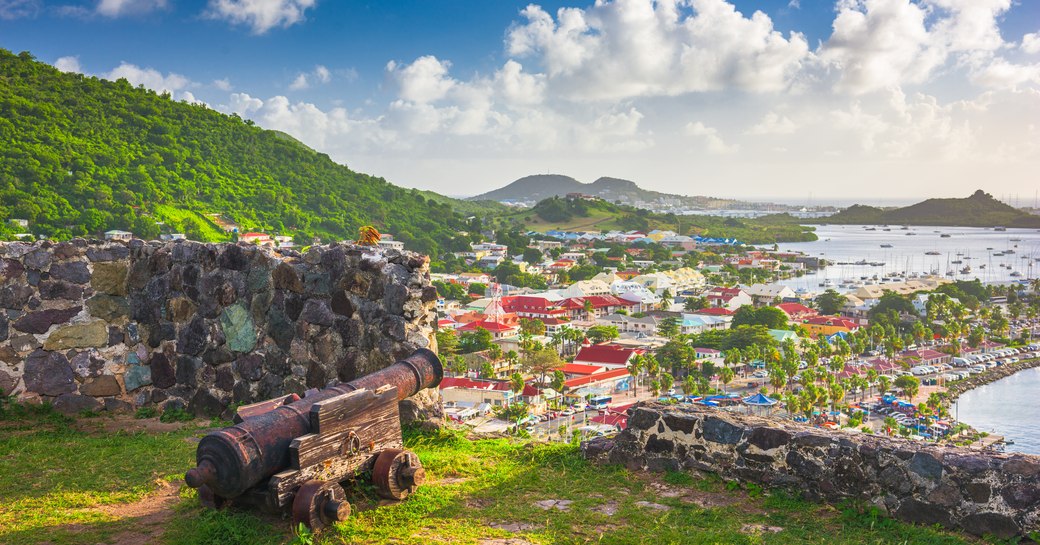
978,210
82,155
599,215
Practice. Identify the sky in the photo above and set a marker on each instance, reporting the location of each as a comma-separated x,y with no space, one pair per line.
798,100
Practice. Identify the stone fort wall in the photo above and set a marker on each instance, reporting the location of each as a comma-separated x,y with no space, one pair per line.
984,493
91,325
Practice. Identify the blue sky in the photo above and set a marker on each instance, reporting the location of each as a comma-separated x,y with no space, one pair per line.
766,98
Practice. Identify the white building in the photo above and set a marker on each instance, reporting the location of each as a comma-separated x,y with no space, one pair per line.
116,234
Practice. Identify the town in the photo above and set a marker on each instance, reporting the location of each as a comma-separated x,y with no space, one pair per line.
631,316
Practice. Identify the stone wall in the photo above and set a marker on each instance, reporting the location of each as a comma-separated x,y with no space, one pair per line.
93,325
979,492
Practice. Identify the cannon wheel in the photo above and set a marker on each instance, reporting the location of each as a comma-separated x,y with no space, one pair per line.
397,473
319,504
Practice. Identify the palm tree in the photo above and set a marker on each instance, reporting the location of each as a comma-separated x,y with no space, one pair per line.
883,383
726,376
635,366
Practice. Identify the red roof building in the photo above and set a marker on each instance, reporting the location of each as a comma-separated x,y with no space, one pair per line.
497,329
572,370
592,380
714,311
797,312
605,356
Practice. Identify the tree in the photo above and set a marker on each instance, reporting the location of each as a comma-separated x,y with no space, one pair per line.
558,381
475,341
516,383
669,327
532,255
726,376
635,366
457,365
602,333
769,317
542,362
694,304
830,302
909,384
666,382
532,326
487,370
689,385
447,342
883,384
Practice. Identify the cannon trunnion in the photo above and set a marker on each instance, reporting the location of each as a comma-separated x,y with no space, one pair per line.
292,453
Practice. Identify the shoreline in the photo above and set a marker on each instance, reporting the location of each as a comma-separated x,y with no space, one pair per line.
955,390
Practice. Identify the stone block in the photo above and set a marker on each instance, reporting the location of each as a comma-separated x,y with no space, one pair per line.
105,385
137,376
40,321
110,278
49,374
75,272
86,335
238,327
75,404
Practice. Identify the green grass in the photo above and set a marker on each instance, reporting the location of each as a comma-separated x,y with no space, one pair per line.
55,477
175,217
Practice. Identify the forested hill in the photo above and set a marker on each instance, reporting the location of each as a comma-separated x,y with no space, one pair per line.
978,210
82,155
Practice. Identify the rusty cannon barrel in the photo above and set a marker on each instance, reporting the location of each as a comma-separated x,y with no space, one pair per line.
231,460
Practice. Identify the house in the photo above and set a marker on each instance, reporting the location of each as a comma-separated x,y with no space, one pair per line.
727,298
19,222
535,306
573,370
647,325
116,234
928,357
173,236
783,335
497,329
707,353
715,311
828,325
796,312
601,305
284,241
387,242
699,323
585,288
461,390
765,294
607,382
602,355
262,239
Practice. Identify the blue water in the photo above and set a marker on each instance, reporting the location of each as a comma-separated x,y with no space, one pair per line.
852,243
1008,407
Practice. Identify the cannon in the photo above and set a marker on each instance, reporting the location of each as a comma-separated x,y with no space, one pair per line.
292,453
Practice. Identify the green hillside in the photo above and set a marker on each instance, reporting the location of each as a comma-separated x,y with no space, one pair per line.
978,210
82,155
600,215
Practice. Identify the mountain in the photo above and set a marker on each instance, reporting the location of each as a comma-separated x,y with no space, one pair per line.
534,188
82,155
531,189
978,210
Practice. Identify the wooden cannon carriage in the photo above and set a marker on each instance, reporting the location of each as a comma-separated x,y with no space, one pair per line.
292,453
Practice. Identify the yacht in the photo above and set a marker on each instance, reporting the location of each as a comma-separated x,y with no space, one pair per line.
966,269
999,228
886,245
1015,274
933,252
944,235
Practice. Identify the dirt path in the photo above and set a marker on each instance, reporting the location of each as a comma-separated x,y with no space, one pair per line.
149,516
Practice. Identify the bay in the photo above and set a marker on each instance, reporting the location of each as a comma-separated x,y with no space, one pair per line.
1009,407
906,254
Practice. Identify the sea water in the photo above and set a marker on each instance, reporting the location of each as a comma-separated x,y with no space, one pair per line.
1008,407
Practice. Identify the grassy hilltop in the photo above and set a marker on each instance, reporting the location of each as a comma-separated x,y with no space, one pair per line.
82,155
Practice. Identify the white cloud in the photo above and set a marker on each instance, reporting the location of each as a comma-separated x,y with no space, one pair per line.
19,9
424,80
710,135
260,15
1001,74
119,8
300,83
149,77
322,74
1031,43
773,123
635,48
68,64
222,84
303,79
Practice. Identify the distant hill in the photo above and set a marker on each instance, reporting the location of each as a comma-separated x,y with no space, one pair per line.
82,155
978,210
539,187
